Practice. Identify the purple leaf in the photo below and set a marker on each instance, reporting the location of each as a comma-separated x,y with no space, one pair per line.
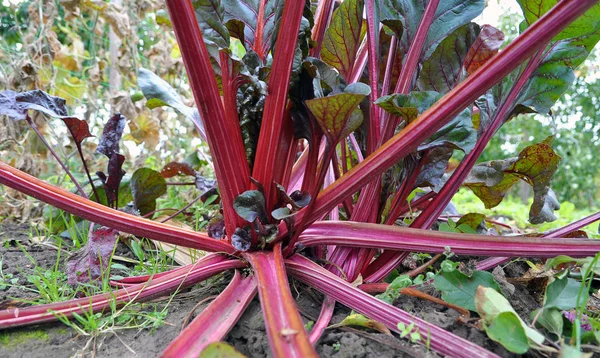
113,181
89,263
216,227
113,130
241,240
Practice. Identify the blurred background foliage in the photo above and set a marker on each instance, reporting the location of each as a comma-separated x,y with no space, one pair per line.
88,51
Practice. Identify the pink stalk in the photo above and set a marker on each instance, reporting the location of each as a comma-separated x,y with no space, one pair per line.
359,64
409,67
574,226
285,329
132,280
222,130
354,234
493,71
442,341
215,321
322,19
103,215
495,261
16,317
373,54
428,216
323,320
271,128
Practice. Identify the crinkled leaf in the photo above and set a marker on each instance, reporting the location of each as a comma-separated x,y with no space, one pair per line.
434,166
553,77
160,93
536,165
562,294
204,184
210,15
241,240
174,168
112,182
343,37
250,205
220,350
89,263
333,112
459,289
16,105
147,185
216,227
111,135
492,307
444,68
485,47
449,16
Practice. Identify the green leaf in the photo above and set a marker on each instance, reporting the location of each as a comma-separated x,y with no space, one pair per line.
449,16
444,69
146,186
507,330
551,319
210,15
536,165
585,31
392,292
459,289
220,350
251,205
562,294
333,112
472,220
247,12
553,77
160,93
343,36
457,134
492,306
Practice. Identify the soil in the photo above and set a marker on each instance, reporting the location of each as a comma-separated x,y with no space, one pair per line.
248,336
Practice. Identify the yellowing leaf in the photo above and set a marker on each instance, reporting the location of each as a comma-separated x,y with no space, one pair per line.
343,37
357,319
220,350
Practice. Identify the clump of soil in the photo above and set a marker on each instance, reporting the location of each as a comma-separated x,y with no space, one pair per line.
248,336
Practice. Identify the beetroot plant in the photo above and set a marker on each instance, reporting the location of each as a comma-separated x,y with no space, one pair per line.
320,132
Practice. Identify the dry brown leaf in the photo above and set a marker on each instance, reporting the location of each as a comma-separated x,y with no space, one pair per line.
181,255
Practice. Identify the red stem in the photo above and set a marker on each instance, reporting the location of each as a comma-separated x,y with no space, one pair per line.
222,127
322,19
16,317
493,71
269,142
409,67
442,341
216,320
103,215
285,329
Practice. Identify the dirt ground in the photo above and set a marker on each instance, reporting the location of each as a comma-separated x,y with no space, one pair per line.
248,336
